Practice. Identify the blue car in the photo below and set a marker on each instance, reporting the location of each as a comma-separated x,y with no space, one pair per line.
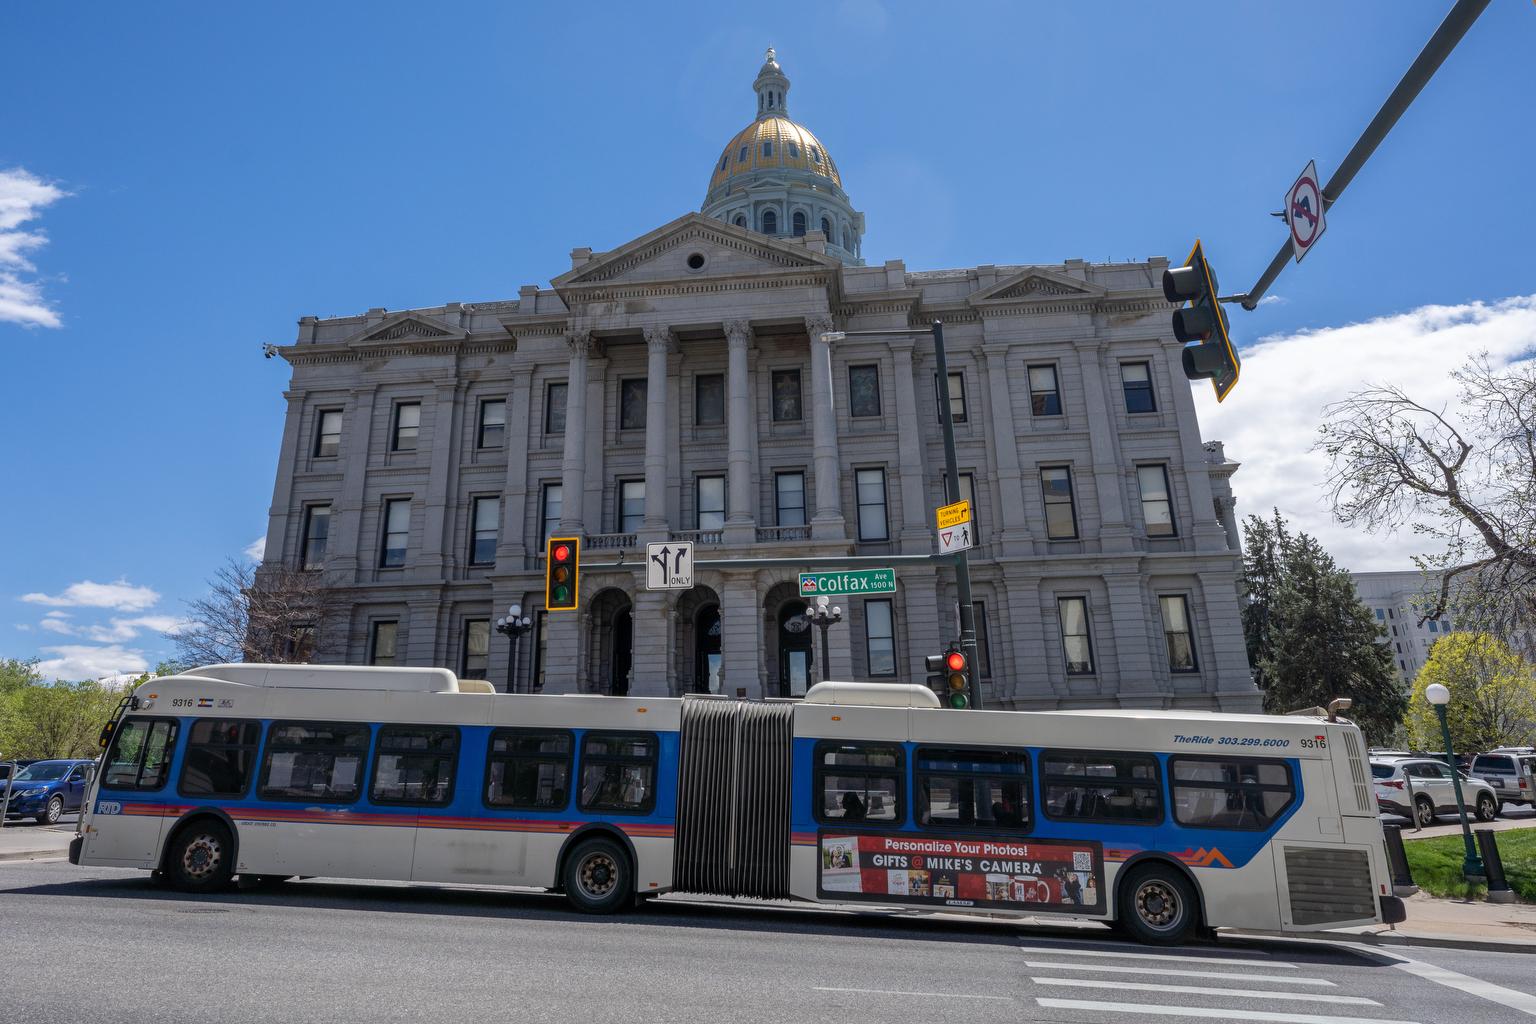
45,790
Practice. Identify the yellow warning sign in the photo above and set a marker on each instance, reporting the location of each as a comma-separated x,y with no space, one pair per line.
953,515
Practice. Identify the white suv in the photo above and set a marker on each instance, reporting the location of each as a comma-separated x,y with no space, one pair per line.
1432,791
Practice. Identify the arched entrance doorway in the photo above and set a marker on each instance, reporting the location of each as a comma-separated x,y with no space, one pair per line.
795,649
698,641
610,643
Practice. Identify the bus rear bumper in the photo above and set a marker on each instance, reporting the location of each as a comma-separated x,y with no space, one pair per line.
74,849
1393,910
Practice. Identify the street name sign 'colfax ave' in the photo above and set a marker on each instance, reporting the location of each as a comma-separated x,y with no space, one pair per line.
853,581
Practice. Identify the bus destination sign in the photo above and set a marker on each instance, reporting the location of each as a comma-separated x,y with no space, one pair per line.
982,873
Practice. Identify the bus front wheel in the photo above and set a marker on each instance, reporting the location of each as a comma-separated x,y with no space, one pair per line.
1158,905
598,878
201,857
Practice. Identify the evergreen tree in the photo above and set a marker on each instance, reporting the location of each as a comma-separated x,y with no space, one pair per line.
1309,637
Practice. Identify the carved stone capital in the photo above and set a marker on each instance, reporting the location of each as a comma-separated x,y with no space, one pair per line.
738,333
581,342
659,338
817,325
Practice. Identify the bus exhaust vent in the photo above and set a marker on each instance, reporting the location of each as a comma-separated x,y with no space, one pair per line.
1328,885
1364,799
735,760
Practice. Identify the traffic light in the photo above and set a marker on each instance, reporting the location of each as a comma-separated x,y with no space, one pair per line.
561,555
1203,321
949,675
936,674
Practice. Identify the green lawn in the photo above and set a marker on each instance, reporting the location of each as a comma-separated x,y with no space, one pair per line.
1436,863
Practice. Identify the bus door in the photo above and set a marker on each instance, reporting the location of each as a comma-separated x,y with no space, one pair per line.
122,826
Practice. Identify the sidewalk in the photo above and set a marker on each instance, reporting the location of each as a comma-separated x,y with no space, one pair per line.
27,841
1463,924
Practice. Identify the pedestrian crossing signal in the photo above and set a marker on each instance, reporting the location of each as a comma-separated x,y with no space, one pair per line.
561,568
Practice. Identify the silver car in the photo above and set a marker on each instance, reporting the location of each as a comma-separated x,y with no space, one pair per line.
1421,788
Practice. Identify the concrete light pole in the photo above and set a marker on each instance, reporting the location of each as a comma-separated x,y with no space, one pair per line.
1472,866
512,626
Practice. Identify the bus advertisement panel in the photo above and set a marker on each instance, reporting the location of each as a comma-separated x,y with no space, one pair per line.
988,874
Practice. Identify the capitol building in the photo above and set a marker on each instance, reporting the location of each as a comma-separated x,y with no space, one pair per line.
678,386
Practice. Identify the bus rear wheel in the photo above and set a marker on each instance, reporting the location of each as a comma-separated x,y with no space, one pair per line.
597,877
1158,906
201,857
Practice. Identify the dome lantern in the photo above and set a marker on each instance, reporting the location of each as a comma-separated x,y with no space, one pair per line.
771,86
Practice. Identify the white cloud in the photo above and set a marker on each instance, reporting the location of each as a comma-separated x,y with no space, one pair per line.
1270,421
78,661
126,629
57,625
120,596
257,549
1273,300
23,196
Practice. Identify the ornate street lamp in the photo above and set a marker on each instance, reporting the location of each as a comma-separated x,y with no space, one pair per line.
1472,866
512,626
824,617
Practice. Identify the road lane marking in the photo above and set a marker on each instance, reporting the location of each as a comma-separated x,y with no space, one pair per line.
926,995
1166,972
1203,990
1158,956
1515,1000
1153,1009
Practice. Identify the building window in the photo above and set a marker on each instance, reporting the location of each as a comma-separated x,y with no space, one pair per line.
709,503
956,397
826,229
741,157
789,499
724,160
618,772
554,407
709,399
550,510
486,522
632,391
1432,627
768,146
1156,508
880,637
413,764
1076,644
797,224
1044,398
740,221
319,762
493,424
317,531
1381,616
631,505
770,222
983,640
1177,633
1060,516
1389,614
786,396
328,434
381,645
815,154
864,390
407,426
397,532
870,485
476,660
529,768
794,151
1136,379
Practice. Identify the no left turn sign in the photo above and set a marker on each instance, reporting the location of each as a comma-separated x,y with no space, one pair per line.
1304,211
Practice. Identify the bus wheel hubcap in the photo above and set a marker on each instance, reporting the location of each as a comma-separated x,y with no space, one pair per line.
1158,904
202,857
599,874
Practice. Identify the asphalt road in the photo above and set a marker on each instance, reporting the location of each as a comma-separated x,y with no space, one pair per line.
105,946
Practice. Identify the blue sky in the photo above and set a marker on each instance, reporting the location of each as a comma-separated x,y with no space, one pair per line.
195,177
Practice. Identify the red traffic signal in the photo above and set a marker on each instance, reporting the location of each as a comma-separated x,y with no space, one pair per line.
955,661
561,572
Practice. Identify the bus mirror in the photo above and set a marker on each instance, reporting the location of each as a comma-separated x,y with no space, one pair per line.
105,737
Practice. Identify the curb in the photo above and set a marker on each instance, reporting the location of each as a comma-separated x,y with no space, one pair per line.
1400,938
33,854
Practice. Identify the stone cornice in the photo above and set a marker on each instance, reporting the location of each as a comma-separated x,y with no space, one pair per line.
342,352
579,298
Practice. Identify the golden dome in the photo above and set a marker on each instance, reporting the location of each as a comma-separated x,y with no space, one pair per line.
774,143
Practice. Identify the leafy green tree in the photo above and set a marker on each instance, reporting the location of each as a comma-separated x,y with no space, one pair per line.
1309,637
1493,695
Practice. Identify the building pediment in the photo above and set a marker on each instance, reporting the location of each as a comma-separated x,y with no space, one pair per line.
406,327
692,249
1037,284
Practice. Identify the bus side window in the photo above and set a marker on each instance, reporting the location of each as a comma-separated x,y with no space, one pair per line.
1101,786
529,768
414,764
219,758
859,782
973,788
618,772
141,754
314,761
1236,793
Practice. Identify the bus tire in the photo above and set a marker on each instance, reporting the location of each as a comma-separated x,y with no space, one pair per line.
201,857
598,878
1158,905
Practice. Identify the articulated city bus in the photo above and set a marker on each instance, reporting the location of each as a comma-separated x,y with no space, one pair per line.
1161,822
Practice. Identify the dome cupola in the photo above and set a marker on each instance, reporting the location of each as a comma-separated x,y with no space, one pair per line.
776,178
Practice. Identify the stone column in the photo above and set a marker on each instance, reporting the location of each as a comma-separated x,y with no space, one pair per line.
1108,476
1005,451
1033,686
658,344
289,460
438,557
1133,623
741,642
573,467
653,638
347,515
511,541
916,532
828,521
1225,670
741,522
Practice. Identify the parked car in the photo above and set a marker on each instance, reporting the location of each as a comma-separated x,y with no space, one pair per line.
45,790
1433,791
1512,774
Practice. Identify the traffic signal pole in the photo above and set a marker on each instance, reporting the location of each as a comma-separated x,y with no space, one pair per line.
952,487
1418,75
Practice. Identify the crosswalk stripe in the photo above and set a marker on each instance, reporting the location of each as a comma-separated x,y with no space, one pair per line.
1204,990
1167,972
1153,1009
1115,955
925,995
